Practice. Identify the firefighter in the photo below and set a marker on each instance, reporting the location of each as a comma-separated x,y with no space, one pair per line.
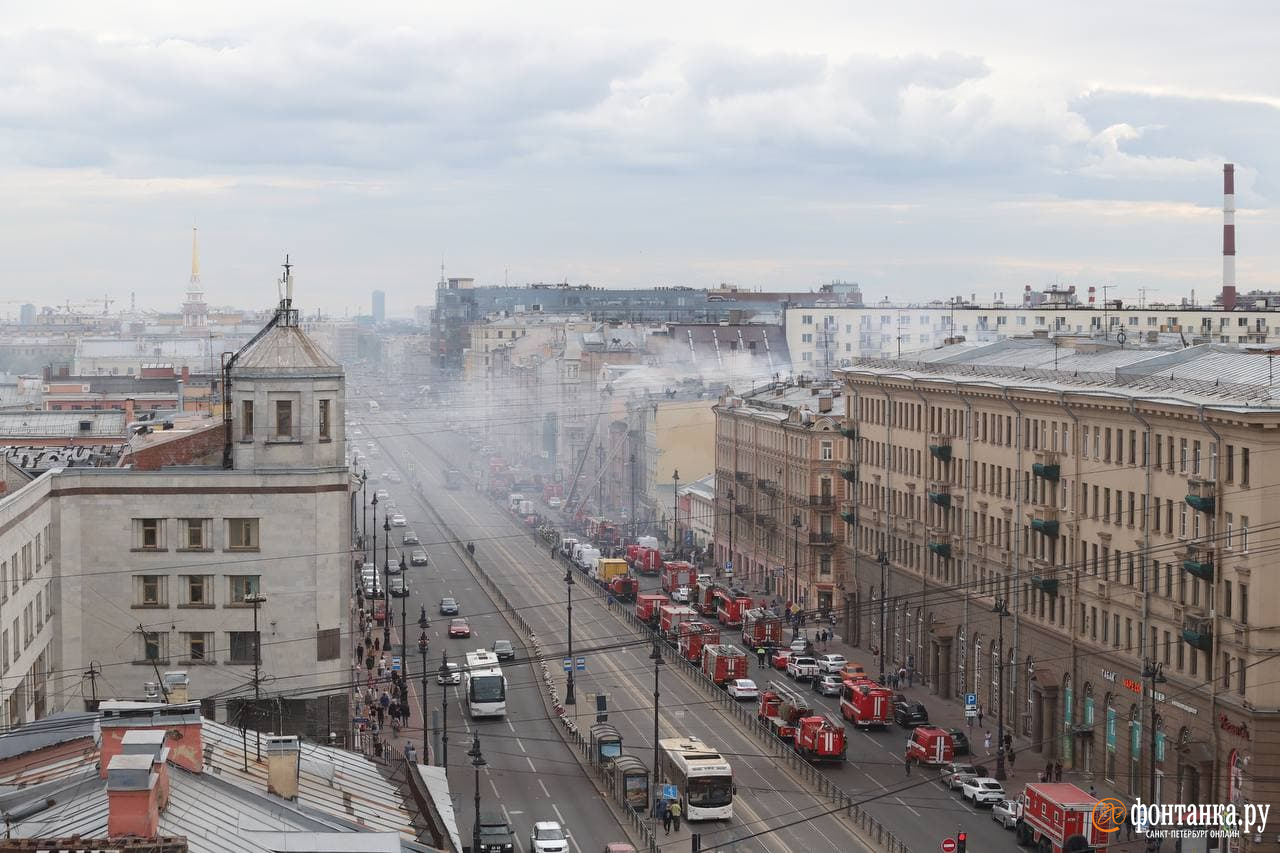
760,656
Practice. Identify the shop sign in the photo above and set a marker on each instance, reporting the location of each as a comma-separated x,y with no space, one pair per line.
1109,675
1237,729
1187,708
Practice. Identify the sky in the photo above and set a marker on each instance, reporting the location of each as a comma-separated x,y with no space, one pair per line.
924,151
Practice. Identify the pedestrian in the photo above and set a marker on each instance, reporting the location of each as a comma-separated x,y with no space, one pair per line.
381,716
410,754
902,676
359,652
986,736
1057,771
666,817
980,726
368,663
675,815
1047,774
553,552
1012,757
760,656
906,762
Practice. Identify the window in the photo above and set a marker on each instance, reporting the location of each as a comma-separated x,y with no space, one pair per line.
39,558
241,586
149,534
1231,464
324,420
242,645
1244,604
284,419
26,562
150,591
806,319
197,590
824,564
1244,466
242,534
825,451
4,651
194,533
155,646
246,420
1182,455
4,580
1244,533
196,647
39,610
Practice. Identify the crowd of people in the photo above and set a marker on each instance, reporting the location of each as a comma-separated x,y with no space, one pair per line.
382,695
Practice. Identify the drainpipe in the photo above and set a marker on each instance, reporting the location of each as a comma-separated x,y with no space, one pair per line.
1069,558
1146,714
854,619
1217,590
1017,559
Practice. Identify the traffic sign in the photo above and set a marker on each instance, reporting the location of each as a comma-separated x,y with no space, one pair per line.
971,701
970,713
582,664
568,664
395,664
948,845
359,721
728,564
670,792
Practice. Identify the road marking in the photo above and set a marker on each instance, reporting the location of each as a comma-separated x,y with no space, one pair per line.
513,728
531,765
874,779
520,744
543,786
908,808
507,815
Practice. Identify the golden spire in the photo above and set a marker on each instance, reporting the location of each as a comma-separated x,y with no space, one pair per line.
195,256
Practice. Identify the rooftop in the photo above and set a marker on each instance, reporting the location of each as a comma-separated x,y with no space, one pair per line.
285,349
69,425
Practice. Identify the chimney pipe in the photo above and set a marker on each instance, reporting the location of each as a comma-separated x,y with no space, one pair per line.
1229,227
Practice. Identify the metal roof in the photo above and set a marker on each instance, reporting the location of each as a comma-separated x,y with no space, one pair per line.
285,349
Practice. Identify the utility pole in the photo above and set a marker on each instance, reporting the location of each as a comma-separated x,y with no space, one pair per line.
256,598
656,657
730,495
1153,671
675,513
477,761
569,698
95,669
635,522
423,645
883,559
444,705
1001,611
386,580
404,621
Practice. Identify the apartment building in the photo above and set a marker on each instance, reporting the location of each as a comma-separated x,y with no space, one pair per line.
1080,534
779,455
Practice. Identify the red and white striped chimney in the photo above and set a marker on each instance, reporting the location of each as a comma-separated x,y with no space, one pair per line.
1229,226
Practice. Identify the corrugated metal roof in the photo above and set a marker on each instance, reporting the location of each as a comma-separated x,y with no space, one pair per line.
285,348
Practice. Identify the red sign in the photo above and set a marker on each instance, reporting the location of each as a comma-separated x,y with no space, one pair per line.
948,845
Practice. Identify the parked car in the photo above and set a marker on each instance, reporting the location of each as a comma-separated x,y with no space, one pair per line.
393,567
504,650
802,668
548,837
957,773
910,714
459,628
828,685
959,742
799,645
453,676
779,658
410,538
398,586
982,791
448,607
418,558
831,663
495,834
853,670
743,688
398,520
680,595
1006,813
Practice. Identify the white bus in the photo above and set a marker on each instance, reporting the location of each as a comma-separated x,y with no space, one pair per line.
486,686
703,776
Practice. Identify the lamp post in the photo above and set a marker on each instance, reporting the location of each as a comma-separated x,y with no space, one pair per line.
732,515
675,513
656,657
386,586
364,514
477,761
1001,611
569,698
375,543
883,559
1153,671
423,645
404,618
256,598
795,561
444,706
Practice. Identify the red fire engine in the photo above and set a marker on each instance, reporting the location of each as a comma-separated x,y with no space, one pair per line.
645,560
929,745
865,703
820,738
723,663
669,618
761,627
676,574
647,605
695,634
624,588
729,609
702,597
1052,812
782,708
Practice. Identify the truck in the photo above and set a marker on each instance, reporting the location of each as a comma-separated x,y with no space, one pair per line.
602,531
730,607
648,605
929,745
526,507
608,568
566,546
514,499
585,556
820,737
702,597
452,479
722,663
623,588
802,668
676,574
761,627
648,560
693,635
866,704
1052,812
782,708
669,618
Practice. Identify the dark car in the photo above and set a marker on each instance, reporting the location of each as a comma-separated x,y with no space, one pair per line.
410,538
495,834
398,586
418,558
448,607
504,650
959,742
910,714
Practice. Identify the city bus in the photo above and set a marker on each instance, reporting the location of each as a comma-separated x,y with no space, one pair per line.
486,686
702,775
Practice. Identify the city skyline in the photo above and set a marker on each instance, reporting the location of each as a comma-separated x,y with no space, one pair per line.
962,153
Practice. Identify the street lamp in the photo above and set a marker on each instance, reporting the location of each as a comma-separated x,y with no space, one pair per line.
1153,671
1001,611
568,585
477,761
256,598
883,559
375,543
656,657
795,561
386,585
444,706
364,514
404,619
729,494
675,512
423,645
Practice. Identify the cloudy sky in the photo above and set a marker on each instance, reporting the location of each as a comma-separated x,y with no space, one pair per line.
967,148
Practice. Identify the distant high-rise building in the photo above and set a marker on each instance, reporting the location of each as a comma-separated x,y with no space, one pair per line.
379,307
27,314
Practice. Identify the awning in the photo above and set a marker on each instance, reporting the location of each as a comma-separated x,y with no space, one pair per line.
1195,752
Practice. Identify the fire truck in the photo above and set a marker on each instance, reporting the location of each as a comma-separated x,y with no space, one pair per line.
695,634
729,608
782,708
647,560
669,618
602,531
624,588
820,737
702,597
676,574
929,745
1052,812
865,703
722,663
761,627
648,604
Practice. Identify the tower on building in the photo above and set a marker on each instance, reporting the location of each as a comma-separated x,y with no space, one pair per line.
195,313
379,306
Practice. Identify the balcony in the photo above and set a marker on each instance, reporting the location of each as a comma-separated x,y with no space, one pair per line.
1045,521
1197,632
1199,561
849,432
742,509
940,542
849,473
940,447
769,487
1043,580
818,538
743,477
940,494
766,519
822,500
1048,465
1202,494
848,514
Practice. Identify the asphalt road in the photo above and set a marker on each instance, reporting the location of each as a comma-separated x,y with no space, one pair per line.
772,812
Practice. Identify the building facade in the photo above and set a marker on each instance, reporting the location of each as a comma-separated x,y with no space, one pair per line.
1083,548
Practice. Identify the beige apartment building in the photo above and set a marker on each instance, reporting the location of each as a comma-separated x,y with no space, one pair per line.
1121,504
779,456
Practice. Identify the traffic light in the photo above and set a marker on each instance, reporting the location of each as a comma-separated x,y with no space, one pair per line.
961,837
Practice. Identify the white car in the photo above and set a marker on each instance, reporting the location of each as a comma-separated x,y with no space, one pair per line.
957,773
743,688
548,837
398,520
1006,813
554,502
382,495
831,663
704,580
983,791
802,668
680,595
454,676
